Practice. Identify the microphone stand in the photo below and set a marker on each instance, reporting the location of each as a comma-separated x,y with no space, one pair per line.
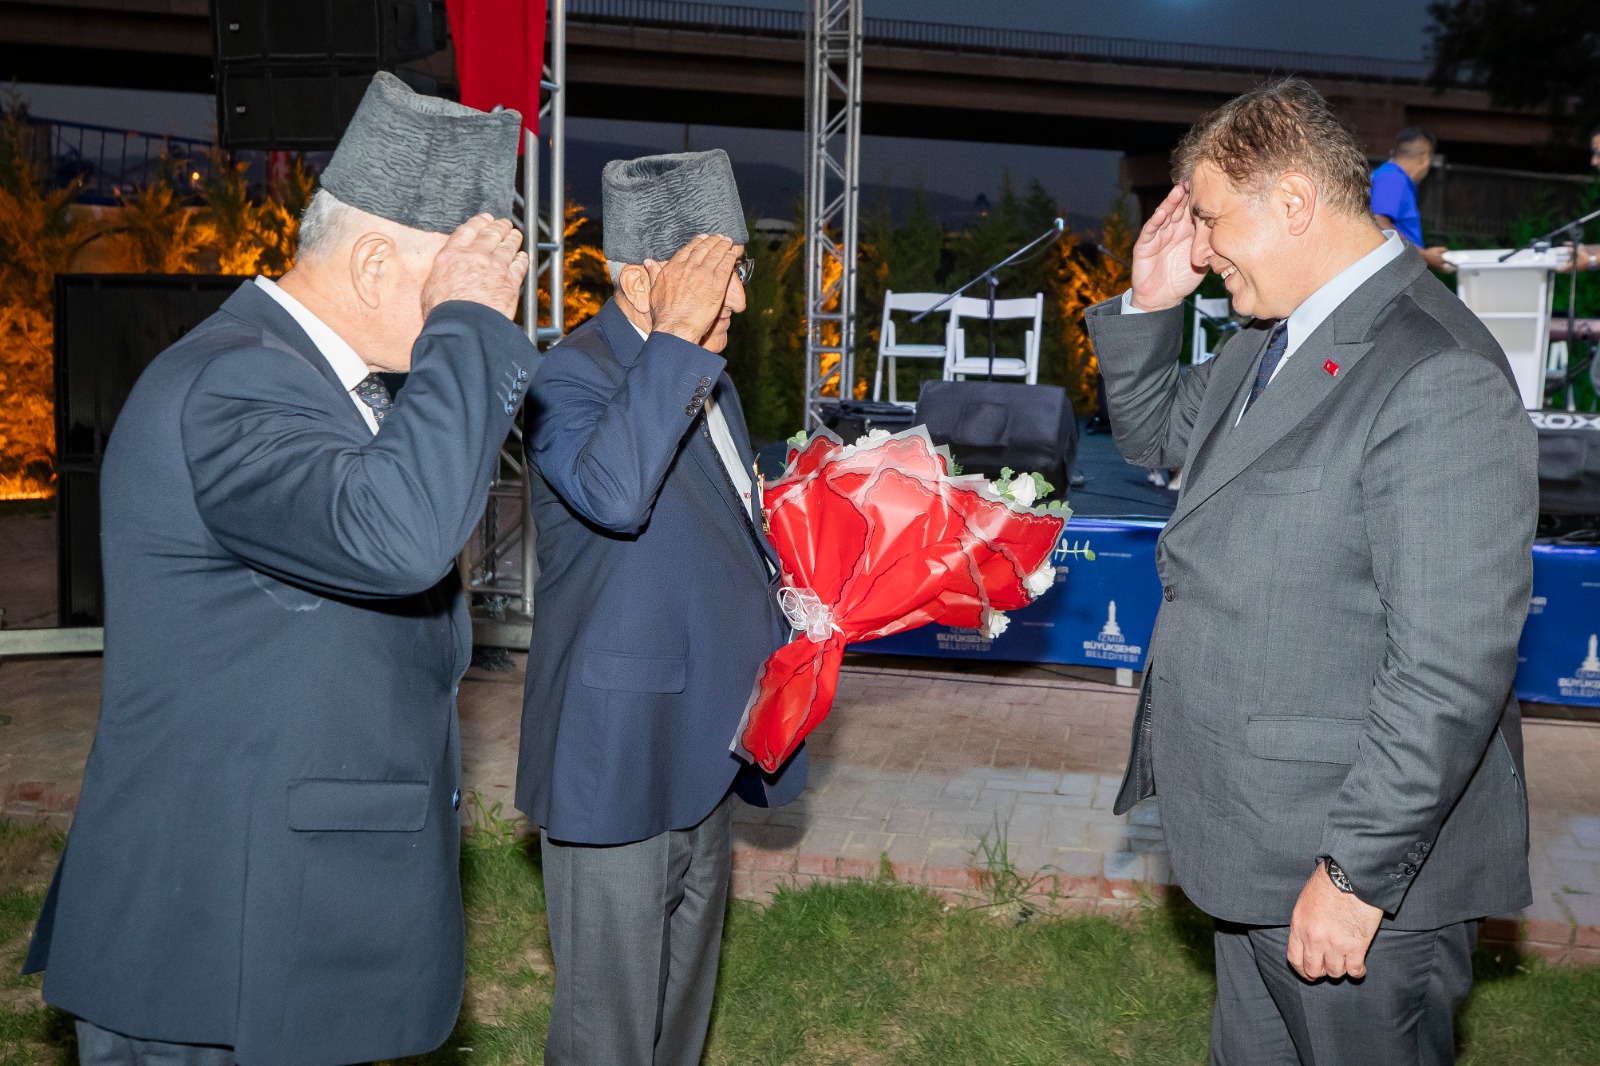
1573,231
991,276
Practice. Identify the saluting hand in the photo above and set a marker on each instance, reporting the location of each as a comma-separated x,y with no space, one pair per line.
688,292
481,262
1163,266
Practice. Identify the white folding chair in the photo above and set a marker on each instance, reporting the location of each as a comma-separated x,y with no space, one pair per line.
961,361
889,346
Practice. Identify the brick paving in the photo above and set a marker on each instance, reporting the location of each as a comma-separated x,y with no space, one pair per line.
920,767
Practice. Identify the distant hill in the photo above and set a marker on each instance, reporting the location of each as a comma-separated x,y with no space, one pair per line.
773,191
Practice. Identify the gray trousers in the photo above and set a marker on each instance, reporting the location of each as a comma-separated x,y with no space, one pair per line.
1401,1014
102,1047
636,931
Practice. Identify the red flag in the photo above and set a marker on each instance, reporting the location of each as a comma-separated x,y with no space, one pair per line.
500,54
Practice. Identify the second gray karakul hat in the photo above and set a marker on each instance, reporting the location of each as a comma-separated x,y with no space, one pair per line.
655,205
424,162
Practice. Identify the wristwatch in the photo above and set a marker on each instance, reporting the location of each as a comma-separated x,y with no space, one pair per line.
1335,874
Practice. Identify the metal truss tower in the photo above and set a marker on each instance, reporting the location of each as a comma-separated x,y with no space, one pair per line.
498,565
833,193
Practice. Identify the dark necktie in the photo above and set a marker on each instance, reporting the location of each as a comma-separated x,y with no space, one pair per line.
371,391
1276,343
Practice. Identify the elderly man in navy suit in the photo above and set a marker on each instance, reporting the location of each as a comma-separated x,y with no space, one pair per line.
263,867
656,609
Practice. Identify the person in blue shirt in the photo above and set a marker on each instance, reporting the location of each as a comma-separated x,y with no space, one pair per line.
1394,191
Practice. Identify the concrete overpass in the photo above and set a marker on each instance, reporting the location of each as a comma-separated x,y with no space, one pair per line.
678,62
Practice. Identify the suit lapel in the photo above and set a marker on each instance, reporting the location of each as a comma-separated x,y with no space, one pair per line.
1300,387
253,305
1302,384
733,412
718,484
1235,366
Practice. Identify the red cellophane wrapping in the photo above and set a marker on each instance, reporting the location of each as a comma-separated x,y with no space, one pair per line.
876,538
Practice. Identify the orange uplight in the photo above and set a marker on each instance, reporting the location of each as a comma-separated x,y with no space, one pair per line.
17,488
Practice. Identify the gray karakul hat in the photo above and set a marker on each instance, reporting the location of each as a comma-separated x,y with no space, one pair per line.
424,162
655,205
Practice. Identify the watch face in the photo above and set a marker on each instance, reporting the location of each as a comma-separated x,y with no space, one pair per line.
1336,875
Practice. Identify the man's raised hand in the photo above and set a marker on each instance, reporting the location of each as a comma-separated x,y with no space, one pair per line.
1163,273
481,262
688,291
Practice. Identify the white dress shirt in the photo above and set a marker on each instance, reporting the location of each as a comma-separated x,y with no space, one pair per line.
1315,309
348,367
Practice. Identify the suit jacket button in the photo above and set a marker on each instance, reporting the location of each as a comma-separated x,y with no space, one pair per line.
690,410
1168,594
511,408
705,383
455,800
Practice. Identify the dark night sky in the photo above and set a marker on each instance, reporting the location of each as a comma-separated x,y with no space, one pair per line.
1082,181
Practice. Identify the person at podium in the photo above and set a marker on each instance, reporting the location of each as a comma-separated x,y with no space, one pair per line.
1588,257
1394,192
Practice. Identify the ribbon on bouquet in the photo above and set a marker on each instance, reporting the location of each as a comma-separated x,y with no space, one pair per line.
808,614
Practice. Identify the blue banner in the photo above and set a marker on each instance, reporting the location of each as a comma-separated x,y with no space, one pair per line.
1102,613
1099,613
1558,660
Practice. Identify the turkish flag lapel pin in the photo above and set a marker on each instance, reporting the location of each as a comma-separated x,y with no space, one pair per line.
1332,368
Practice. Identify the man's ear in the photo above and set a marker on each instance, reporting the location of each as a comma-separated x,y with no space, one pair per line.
633,285
370,257
1297,195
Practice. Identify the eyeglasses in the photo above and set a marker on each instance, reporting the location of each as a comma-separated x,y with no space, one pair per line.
744,269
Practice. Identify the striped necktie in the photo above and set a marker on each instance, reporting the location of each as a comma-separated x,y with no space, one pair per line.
371,391
1276,344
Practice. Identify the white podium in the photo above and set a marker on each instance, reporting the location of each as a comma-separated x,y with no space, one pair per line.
1513,300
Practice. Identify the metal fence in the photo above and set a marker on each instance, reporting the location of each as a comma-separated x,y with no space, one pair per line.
1043,44
1477,206
113,163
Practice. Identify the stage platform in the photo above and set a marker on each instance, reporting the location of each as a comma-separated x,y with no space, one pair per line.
1101,613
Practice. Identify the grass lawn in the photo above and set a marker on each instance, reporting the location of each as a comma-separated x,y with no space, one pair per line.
865,973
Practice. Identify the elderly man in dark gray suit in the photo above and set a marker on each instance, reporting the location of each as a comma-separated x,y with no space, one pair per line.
263,866
656,609
1327,716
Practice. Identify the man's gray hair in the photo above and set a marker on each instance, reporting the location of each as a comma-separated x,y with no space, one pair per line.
615,270
326,221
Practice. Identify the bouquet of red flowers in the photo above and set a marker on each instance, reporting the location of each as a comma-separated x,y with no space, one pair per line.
879,537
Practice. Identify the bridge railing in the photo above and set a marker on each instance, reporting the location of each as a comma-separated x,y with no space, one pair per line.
112,163
1044,44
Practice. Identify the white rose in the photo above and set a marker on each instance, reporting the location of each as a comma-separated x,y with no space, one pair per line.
873,437
1039,582
1023,490
994,622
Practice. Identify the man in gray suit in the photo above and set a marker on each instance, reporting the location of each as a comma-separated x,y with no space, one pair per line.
264,864
1327,714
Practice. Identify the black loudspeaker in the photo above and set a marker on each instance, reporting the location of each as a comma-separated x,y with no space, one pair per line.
989,425
853,419
108,327
291,72
1569,462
